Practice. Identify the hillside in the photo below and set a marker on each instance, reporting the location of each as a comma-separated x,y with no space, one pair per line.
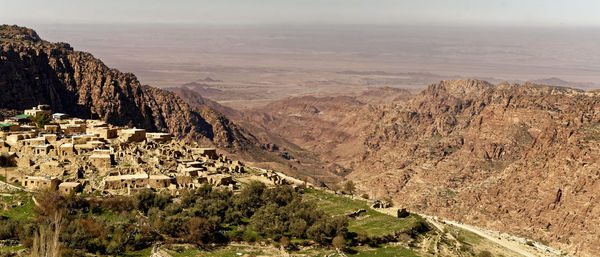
521,159
327,126
33,71
296,160
517,158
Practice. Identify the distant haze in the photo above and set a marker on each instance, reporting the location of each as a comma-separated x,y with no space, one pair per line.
398,12
166,55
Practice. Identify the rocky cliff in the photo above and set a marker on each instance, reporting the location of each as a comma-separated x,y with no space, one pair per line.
33,71
521,159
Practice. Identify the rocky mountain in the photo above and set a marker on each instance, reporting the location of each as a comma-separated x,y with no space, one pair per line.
302,163
33,71
521,159
327,126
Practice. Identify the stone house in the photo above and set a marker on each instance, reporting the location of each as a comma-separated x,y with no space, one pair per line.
103,132
159,181
102,161
40,183
132,135
220,180
126,181
66,149
52,128
70,129
158,137
70,187
42,108
46,149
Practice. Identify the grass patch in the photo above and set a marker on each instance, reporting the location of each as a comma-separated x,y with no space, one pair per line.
372,222
383,252
21,213
141,253
11,249
229,251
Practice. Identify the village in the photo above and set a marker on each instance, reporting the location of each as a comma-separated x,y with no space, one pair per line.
75,155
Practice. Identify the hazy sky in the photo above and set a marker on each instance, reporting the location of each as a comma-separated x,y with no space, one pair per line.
416,12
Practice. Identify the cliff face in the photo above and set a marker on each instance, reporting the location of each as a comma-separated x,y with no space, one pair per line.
33,71
522,159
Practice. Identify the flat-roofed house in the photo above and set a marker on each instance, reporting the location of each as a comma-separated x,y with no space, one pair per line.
102,161
103,132
66,149
158,137
159,181
126,181
70,187
52,128
132,135
70,129
40,183
42,108
45,149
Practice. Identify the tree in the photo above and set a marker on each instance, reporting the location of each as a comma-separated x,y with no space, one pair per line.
50,210
350,187
198,231
41,119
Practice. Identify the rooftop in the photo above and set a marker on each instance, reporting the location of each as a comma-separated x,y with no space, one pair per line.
126,177
69,184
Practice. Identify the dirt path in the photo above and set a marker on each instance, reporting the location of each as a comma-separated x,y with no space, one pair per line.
512,244
517,247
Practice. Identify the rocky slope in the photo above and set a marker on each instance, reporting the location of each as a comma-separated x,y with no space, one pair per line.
328,126
33,71
522,159
299,162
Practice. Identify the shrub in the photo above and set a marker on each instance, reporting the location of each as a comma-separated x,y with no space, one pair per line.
485,254
349,187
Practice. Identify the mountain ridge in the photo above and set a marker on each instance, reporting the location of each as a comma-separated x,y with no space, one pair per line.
39,72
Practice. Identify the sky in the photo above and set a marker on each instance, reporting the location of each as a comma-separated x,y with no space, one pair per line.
234,12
